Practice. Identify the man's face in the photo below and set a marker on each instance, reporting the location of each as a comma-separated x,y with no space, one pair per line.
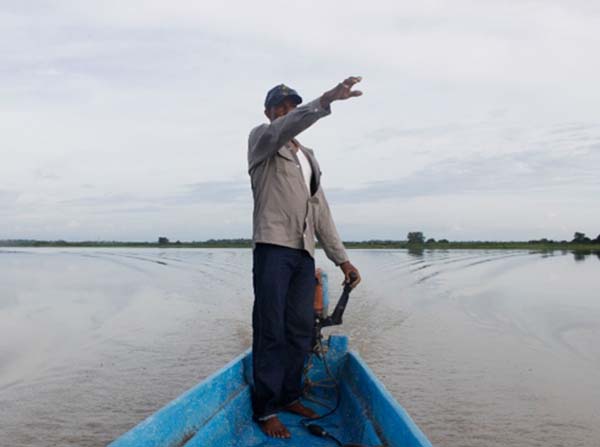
280,109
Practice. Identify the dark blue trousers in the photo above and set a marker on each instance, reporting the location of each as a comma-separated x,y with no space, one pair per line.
282,323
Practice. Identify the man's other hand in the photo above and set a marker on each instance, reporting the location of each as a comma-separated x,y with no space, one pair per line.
348,268
341,91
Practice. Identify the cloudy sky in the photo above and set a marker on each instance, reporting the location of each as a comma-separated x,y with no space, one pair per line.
129,120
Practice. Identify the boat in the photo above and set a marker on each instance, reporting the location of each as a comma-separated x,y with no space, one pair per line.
358,409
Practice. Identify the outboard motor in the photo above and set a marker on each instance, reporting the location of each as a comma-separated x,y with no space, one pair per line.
321,305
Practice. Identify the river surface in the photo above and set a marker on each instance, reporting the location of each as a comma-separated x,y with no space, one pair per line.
482,347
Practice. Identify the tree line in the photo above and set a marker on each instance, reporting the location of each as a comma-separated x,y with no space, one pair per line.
418,238
413,239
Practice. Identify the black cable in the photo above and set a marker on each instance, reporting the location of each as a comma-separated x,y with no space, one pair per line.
336,386
315,429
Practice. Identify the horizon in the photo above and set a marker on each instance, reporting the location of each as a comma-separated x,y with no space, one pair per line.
249,239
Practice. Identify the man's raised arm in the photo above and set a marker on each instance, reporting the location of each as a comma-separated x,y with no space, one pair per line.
266,139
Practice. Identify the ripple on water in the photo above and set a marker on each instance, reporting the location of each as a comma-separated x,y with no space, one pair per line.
489,348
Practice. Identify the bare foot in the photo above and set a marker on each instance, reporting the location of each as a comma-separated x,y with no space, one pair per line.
298,408
274,428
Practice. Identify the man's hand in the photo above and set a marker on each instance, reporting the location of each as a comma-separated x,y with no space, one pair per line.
341,91
348,268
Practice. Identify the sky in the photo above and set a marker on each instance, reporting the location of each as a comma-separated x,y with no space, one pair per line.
480,120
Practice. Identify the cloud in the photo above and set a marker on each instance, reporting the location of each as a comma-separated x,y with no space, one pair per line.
215,192
463,41
223,192
151,103
560,169
386,134
45,175
105,200
7,198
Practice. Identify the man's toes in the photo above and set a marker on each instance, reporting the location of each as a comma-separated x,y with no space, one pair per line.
274,428
281,432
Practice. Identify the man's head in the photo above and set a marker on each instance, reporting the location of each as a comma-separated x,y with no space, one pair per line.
280,100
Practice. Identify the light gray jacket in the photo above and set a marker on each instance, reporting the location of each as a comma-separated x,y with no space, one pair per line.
285,212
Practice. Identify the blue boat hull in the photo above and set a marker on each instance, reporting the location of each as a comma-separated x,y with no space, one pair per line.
217,412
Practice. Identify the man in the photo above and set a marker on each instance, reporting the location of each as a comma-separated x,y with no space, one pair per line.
290,210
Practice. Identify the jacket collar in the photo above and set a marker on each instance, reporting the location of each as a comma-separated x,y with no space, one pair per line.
288,151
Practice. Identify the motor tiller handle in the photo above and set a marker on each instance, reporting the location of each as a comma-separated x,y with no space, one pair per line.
336,317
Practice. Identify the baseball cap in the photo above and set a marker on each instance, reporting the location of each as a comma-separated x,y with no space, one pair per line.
279,93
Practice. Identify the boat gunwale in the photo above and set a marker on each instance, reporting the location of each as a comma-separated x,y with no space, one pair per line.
386,413
145,432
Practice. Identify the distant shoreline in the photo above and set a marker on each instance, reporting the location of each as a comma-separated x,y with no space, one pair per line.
375,244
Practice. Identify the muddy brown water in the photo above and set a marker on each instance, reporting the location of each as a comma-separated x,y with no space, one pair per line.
482,347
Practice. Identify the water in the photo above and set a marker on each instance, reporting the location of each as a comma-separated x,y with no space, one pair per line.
483,348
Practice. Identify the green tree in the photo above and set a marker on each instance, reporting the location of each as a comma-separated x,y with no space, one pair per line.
578,238
415,238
